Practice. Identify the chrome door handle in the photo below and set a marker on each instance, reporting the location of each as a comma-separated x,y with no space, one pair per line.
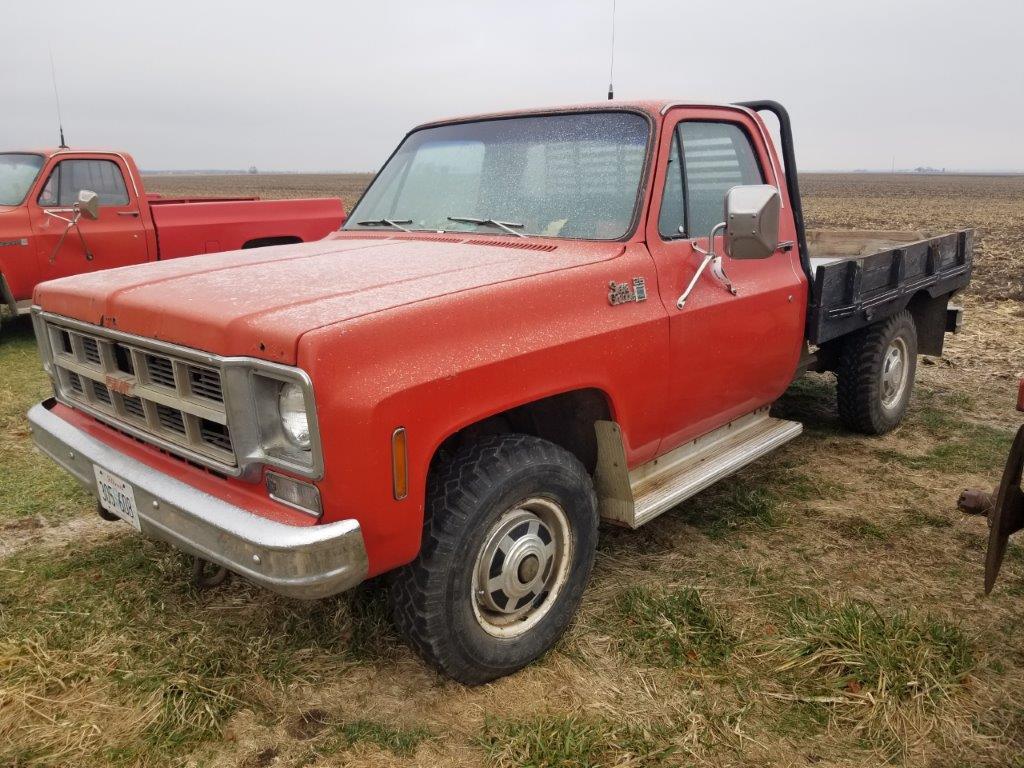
134,214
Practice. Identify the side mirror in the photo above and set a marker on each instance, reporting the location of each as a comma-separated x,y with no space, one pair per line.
752,221
88,204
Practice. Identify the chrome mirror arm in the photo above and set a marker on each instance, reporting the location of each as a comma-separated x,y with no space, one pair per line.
709,256
55,214
71,223
718,270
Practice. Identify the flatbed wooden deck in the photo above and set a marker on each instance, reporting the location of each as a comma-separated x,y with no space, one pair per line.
862,276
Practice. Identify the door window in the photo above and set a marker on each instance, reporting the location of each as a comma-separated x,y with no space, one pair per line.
72,176
716,157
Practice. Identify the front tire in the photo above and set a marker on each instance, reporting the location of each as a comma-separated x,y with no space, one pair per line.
876,375
509,537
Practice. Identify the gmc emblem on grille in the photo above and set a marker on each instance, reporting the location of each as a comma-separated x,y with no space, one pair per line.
119,385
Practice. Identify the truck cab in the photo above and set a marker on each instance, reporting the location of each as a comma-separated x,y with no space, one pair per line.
530,322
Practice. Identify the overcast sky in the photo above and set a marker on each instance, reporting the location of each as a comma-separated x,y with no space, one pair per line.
304,85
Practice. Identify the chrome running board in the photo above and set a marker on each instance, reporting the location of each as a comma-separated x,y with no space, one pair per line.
661,484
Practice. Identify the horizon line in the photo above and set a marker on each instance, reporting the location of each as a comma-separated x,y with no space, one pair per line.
923,171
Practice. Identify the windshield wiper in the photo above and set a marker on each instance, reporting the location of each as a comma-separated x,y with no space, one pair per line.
396,223
505,225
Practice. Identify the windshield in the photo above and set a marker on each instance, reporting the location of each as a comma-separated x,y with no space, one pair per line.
17,172
574,176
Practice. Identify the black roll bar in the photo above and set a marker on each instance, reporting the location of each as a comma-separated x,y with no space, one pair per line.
789,160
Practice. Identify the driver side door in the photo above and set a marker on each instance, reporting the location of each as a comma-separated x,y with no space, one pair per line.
115,239
730,354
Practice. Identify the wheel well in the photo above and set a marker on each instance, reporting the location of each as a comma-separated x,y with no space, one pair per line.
566,420
929,315
262,242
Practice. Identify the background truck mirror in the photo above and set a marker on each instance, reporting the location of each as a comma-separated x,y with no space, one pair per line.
89,204
752,221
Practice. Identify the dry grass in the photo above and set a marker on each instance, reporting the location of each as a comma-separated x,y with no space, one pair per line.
823,607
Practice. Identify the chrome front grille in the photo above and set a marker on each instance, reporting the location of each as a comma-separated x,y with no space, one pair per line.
176,402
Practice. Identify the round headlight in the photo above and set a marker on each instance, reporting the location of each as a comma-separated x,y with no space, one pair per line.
291,404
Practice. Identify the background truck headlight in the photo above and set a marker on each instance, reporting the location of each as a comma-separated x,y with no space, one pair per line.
291,403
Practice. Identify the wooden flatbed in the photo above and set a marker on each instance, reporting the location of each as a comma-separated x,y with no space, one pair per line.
859,277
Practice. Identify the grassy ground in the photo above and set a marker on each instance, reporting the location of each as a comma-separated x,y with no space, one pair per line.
31,494
823,607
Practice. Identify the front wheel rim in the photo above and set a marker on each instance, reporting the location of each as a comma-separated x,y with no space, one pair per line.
895,372
521,568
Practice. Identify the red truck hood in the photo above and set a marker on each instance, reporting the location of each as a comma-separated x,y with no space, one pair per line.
260,303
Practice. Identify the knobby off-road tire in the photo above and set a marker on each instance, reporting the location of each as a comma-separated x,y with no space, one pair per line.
509,537
876,375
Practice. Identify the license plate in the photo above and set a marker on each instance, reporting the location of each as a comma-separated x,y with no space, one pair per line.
117,496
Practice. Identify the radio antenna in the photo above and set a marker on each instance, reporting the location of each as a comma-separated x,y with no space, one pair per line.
56,96
611,68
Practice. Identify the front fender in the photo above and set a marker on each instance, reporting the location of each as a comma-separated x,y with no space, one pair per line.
438,366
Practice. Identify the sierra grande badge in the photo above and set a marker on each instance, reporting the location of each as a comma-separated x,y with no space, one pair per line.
625,293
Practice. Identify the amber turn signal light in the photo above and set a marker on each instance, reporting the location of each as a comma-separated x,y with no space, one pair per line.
400,463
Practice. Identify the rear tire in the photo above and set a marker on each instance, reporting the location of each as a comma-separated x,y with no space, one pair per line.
509,537
876,375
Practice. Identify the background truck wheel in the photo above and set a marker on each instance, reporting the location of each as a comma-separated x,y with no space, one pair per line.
876,375
509,537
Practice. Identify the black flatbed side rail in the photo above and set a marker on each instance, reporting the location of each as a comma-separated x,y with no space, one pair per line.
850,294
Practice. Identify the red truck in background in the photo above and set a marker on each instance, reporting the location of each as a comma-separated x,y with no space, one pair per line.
531,321
39,199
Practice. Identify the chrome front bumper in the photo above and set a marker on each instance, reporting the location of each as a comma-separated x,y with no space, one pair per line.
306,562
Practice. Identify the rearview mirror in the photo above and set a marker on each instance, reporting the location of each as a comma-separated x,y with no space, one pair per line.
752,221
89,204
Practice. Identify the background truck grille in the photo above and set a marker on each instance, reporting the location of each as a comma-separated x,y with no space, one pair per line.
175,401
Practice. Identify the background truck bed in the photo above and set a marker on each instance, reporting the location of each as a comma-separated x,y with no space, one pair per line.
861,276
208,226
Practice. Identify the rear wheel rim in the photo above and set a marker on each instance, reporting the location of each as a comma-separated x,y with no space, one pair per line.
521,567
895,371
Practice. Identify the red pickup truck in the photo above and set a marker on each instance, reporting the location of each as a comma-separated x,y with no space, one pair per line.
530,321
40,206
